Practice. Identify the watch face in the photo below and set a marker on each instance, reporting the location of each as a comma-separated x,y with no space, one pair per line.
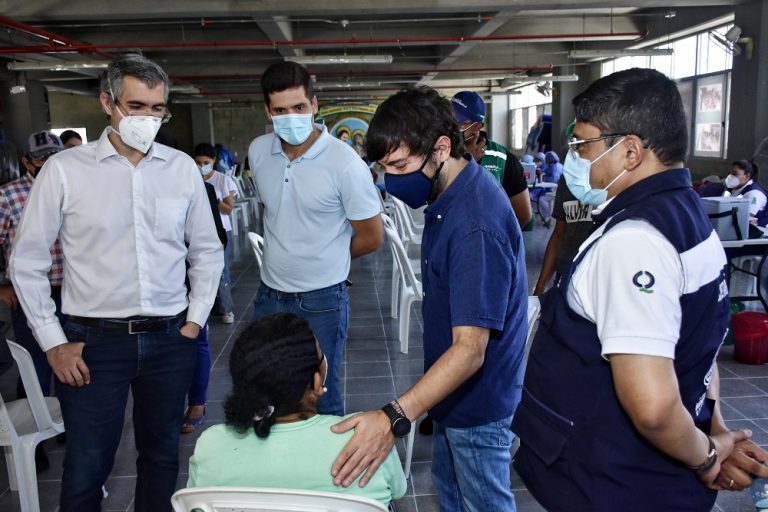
401,427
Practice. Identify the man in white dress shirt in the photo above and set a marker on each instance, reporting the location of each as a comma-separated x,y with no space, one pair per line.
128,213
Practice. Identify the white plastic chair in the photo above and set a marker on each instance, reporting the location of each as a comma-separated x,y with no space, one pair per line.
404,223
257,244
23,425
255,499
409,286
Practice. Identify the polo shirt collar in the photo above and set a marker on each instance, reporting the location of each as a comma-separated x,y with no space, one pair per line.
105,149
315,149
455,190
642,190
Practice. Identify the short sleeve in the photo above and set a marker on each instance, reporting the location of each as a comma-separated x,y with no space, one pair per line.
757,201
558,211
629,284
480,298
514,179
231,185
359,194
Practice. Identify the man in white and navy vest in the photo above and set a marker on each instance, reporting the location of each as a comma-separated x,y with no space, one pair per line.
620,406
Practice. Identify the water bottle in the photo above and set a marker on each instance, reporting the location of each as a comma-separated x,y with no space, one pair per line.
759,492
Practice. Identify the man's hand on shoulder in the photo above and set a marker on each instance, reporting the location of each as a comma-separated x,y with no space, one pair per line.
366,450
68,365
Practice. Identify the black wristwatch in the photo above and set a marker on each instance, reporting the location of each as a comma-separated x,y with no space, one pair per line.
398,422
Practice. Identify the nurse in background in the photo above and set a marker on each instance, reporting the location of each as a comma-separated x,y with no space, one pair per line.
742,182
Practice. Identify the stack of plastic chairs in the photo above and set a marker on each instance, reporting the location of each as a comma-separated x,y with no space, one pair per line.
23,425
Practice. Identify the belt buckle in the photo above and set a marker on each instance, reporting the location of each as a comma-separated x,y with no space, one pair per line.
130,327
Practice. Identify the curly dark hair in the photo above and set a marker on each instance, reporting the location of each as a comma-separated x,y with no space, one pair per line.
273,363
414,118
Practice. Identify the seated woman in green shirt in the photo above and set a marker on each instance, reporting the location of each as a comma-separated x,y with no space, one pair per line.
273,436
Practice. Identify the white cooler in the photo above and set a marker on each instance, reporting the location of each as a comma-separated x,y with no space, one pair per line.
726,213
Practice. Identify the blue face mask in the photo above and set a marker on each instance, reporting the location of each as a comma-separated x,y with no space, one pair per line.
577,169
414,188
294,129
205,169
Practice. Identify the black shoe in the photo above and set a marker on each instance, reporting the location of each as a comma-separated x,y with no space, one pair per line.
41,459
426,427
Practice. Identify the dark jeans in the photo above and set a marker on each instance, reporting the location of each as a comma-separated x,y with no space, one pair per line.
157,367
327,312
198,391
26,339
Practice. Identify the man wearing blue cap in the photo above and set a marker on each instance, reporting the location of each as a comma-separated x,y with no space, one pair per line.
469,109
13,198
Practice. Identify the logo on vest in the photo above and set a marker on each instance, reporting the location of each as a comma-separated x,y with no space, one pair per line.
644,281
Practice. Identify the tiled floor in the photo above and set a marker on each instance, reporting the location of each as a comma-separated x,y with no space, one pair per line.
374,370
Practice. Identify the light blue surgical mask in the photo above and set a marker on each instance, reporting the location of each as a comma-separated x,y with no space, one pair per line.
205,169
577,169
294,129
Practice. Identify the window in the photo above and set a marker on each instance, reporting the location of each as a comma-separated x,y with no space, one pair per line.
701,67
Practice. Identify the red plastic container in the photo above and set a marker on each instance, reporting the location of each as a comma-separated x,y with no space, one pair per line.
750,337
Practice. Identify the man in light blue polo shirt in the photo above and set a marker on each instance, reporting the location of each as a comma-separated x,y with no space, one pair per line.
321,211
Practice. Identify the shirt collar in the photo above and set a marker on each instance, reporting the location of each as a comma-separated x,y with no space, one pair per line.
640,191
315,149
105,149
455,190
738,190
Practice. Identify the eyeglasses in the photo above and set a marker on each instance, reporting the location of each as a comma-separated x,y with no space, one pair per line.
164,118
575,144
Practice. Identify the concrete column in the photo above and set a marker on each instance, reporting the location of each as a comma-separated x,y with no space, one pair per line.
26,112
202,123
748,120
498,124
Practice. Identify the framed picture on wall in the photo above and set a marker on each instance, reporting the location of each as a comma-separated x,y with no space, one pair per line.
709,118
711,98
708,137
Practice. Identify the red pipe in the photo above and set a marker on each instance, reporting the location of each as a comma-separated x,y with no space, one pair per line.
357,73
307,42
53,39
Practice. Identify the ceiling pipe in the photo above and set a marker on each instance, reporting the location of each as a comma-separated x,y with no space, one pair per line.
358,73
50,37
79,47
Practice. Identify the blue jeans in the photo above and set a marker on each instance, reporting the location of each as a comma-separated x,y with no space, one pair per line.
26,339
198,391
225,304
157,368
327,312
470,467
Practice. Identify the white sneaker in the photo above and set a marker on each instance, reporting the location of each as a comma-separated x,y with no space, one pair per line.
228,318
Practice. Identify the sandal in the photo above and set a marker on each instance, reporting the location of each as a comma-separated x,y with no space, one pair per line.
189,424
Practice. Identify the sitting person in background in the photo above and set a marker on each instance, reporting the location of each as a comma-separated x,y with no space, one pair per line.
742,182
70,139
552,169
273,436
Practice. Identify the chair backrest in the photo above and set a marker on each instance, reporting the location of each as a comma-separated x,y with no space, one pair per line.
400,255
7,429
254,499
257,244
405,224
29,379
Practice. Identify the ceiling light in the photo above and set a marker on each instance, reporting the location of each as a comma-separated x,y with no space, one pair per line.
201,99
510,82
611,54
57,66
183,89
340,59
